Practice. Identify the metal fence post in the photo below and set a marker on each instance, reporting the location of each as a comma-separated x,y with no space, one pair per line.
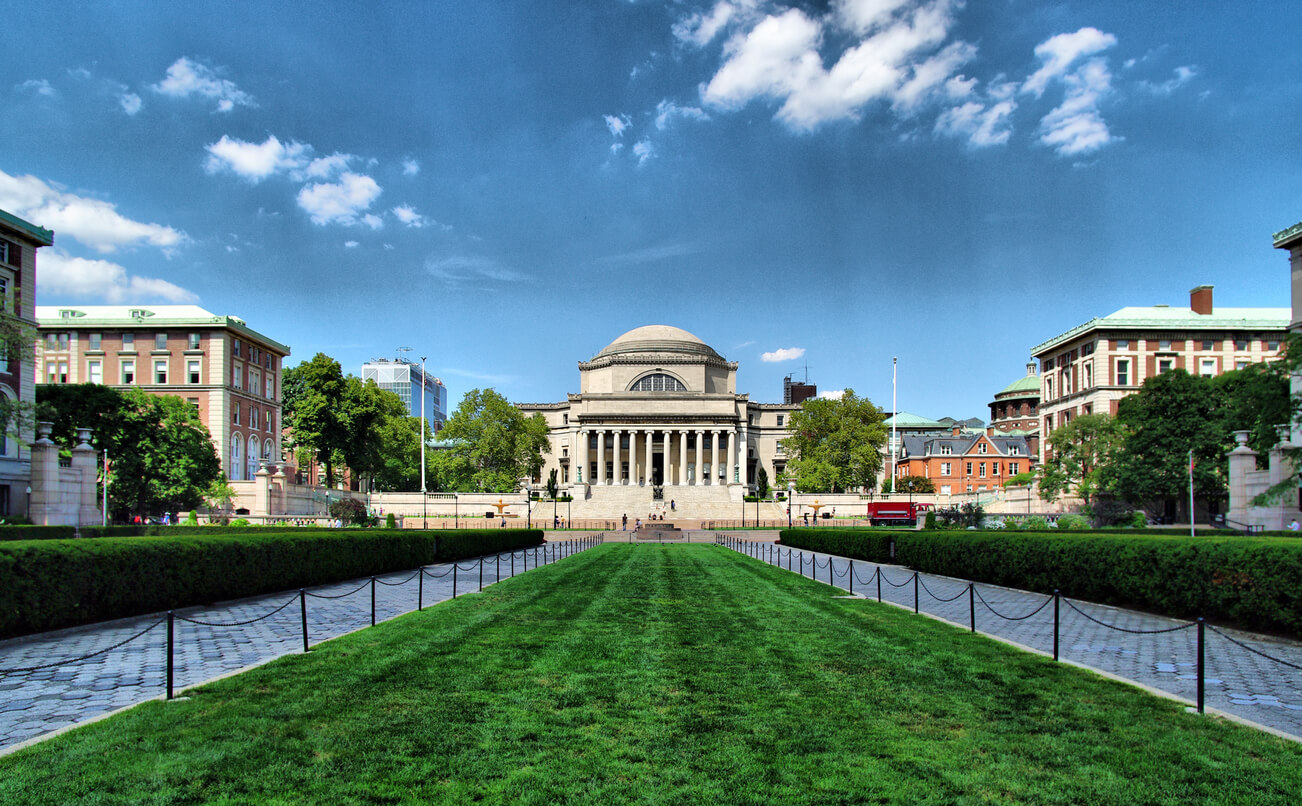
372,601
481,573
915,591
513,564
302,606
171,617
852,577
454,579
1057,598
1201,663
829,571
879,583
971,604
420,589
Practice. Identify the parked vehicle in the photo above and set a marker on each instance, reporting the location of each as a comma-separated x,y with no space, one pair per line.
896,513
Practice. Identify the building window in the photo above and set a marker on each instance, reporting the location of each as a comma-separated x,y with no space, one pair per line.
995,469
194,402
1207,345
968,468
254,384
946,469
270,396
565,418
128,341
237,377
160,371
1164,344
128,372
946,449
4,293
267,427
1048,388
1240,364
1089,376
779,421
1014,450
194,341
9,252
1121,344
235,414
1164,365
253,416
1273,344
192,370
1013,468
236,349
95,372
236,464
1123,372
96,341
253,456
981,449
160,341
1207,367
659,382
983,470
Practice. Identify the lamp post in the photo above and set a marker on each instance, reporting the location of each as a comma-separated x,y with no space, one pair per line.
424,496
456,515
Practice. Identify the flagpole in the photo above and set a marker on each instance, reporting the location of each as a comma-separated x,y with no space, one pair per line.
894,416
1191,494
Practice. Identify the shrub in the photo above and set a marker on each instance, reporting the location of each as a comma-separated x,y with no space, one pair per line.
390,522
1035,524
1138,519
929,521
1247,581
192,519
350,511
238,522
48,584
1073,522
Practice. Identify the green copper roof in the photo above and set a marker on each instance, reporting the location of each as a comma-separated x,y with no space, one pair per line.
1162,317
905,420
1026,383
41,235
1288,234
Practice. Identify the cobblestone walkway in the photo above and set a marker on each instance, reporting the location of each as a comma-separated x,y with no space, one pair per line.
33,703
1237,680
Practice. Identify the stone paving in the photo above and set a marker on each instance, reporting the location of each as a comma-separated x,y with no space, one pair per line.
1163,654
34,703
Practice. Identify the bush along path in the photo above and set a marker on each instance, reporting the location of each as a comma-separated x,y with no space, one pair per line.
1253,677
53,680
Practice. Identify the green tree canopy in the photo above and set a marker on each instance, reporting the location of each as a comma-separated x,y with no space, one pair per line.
314,409
916,484
161,455
1080,453
494,445
835,445
1172,413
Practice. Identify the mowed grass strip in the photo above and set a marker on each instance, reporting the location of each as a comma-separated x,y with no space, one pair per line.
660,674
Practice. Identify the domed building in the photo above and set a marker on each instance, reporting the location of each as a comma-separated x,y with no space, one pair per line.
1015,410
658,418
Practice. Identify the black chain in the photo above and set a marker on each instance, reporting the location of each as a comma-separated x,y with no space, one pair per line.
83,657
432,575
887,580
937,598
1237,642
339,596
237,623
1126,629
1043,605
399,582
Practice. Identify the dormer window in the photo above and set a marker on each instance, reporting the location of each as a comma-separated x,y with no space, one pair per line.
140,313
981,448
69,314
946,449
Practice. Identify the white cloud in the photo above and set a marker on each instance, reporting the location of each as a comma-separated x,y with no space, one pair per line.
341,202
63,274
39,86
351,244
186,78
667,110
982,125
1076,126
617,124
408,215
131,103
644,151
832,394
93,222
780,58
329,167
410,167
701,27
470,269
783,354
615,148
256,161
1059,53
1183,75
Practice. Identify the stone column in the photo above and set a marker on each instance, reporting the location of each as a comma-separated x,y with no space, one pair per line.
700,451
601,458
667,468
620,478
732,477
714,456
744,457
647,463
682,458
43,510
262,490
83,458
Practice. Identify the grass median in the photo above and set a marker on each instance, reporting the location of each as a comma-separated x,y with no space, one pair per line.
660,674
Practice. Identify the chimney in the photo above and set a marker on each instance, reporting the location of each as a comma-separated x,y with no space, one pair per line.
1200,300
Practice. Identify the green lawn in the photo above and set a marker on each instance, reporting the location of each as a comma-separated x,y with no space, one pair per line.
660,674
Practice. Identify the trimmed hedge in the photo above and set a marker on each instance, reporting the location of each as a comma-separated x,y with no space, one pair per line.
48,584
1253,582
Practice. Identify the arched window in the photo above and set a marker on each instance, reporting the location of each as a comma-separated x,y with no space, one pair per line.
237,464
658,382
8,446
267,449
253,456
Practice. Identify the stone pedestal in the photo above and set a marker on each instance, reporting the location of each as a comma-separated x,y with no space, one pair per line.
45,478
84,461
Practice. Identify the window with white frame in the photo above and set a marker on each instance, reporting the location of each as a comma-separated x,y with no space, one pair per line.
95,371
1163,344
95,341
1123,372
128,341
237,464
237,377
235,413
160,341
1241,344
160,371
946,469
1014,468
982,469
192,370
129,371
252,457
267,427
194,341
968,468
1165,365
270,389
946,449
981,448
1207,367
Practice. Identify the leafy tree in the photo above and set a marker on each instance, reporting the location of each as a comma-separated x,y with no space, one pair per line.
762,482
917,484
1023,479
494,444
161,455
314,409
1172,413
1254,399
552,484
835,444
1081,450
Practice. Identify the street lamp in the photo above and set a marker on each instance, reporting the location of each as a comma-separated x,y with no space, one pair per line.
424,496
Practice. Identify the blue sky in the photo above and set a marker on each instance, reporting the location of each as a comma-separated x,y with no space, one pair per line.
507,187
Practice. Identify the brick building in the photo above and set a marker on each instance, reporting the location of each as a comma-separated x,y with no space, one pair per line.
229,372
19,241
1016,409
964,462
1094,365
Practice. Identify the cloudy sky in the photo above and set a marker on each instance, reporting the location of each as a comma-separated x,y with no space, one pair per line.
813,187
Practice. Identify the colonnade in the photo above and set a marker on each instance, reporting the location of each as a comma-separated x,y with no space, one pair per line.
631,451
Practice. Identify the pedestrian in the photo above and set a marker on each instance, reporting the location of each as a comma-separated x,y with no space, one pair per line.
806,517
1293,527
556,521
638,524
673,506
624,523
